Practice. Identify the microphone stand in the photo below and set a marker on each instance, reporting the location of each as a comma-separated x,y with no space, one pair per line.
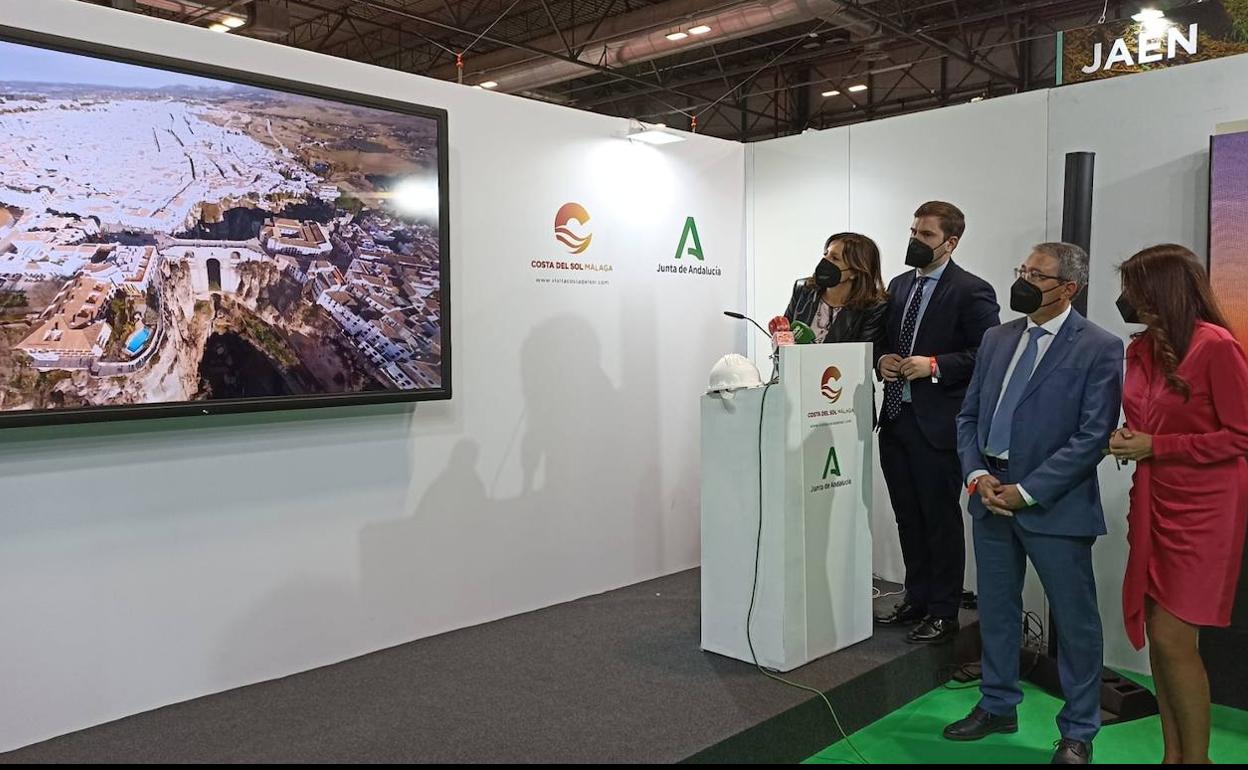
775,351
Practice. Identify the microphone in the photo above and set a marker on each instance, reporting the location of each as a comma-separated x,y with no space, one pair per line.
780,332
802,334
743,317
775,351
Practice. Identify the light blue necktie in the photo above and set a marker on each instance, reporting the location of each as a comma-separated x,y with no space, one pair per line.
1002,421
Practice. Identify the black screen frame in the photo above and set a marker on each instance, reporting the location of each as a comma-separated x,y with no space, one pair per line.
265,403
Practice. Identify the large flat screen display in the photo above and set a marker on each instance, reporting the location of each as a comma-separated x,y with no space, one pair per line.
176,239
1228,229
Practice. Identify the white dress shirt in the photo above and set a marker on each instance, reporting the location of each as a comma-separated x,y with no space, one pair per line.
1052,326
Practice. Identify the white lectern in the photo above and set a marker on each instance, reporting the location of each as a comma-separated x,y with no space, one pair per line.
807,441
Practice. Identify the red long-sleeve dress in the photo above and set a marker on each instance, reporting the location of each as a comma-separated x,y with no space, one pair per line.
1189,501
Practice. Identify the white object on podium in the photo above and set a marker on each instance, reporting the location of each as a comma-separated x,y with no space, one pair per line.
814,561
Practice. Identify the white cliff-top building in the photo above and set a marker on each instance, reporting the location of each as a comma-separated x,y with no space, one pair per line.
72,328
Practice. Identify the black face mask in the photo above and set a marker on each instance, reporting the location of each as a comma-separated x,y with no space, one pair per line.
827,275
1027,298
1127,310
919,254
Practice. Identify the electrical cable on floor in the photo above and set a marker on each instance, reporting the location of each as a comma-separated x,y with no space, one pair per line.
875,591
1036,639
877,594
758,545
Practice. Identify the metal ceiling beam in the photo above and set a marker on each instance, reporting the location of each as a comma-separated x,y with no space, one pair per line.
923,37
593,101
519,46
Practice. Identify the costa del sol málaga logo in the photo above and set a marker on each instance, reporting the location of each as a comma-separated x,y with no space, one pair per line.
575,242
828,385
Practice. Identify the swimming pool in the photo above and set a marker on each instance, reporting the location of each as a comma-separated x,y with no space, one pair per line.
138,340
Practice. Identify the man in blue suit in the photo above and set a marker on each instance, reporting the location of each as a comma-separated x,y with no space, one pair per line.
1037,417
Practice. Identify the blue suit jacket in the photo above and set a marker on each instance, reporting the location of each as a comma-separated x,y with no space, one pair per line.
1061,426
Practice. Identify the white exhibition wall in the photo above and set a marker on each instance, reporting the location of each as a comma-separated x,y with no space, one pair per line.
1002,161
146,563
869,178
151,562
1151,135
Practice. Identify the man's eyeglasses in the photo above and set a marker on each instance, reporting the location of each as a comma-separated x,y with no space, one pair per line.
1031,274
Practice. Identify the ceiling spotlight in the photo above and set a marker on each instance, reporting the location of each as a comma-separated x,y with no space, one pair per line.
218,28
654,133
490,84
857,88
831,93
1148,14
234,22
701,29
674,36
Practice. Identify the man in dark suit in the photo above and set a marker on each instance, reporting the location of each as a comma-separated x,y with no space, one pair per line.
1037,418
938,313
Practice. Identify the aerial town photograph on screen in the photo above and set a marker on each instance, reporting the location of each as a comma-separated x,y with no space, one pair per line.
167,238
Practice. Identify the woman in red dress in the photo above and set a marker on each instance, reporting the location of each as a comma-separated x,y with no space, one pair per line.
1186,399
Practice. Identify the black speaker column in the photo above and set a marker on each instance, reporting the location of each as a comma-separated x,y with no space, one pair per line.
1077,210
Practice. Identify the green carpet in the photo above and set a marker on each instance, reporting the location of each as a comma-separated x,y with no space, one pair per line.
912,734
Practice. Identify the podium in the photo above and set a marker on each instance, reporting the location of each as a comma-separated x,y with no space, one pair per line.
796,453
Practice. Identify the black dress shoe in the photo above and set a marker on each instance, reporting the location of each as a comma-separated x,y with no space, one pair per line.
978,724
902,615
1072,752
933,631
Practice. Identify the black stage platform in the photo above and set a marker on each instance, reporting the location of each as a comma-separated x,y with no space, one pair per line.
616,677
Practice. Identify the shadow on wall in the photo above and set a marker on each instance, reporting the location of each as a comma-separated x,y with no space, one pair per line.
575,504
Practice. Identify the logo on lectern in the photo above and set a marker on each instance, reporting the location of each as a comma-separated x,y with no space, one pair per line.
831,466
829,386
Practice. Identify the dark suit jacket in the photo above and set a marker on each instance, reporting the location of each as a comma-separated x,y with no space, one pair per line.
962,307
851,325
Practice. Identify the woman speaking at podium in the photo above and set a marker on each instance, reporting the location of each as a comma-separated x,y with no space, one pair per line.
845,300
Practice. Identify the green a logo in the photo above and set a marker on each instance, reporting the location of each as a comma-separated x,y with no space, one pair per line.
691,229
832,466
